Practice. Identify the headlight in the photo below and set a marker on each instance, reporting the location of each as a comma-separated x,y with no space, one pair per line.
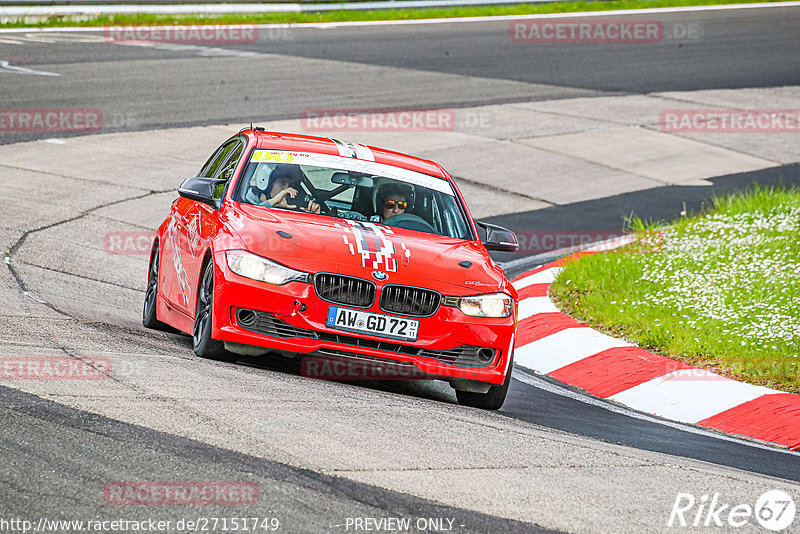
258,268
491,305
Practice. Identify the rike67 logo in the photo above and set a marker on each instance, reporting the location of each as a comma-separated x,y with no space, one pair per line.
774,511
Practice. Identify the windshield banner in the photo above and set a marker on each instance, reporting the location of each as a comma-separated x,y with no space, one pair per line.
353,164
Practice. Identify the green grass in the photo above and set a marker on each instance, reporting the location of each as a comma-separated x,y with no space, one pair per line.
366,15
720,291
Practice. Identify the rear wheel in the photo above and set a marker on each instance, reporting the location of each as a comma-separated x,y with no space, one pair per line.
204,345
491,400
149,318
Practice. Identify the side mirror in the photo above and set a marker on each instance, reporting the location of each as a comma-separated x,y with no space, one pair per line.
202,190
499,238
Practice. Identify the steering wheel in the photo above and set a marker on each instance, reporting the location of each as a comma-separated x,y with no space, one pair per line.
324,208
317,196
409,221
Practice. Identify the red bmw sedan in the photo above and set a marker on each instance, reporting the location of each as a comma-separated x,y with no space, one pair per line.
318,248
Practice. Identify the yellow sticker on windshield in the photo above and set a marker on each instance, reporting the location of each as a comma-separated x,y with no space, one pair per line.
274,157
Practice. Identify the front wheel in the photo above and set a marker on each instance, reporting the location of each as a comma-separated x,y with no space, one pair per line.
491,400
204,346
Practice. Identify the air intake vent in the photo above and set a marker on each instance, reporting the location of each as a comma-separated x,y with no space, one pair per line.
268,325
344,290
463,356
407,300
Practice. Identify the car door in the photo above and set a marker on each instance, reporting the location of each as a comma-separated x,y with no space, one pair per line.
176,284
200,221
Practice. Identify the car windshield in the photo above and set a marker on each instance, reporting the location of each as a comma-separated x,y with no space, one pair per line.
355,189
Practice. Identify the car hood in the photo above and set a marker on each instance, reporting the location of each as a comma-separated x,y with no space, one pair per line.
314,243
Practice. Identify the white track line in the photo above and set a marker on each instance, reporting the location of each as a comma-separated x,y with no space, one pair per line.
458,20
576,14
564,392
6,66
225,8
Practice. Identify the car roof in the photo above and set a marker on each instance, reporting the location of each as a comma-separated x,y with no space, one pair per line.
326,145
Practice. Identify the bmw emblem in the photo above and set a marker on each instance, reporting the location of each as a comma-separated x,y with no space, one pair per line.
380,276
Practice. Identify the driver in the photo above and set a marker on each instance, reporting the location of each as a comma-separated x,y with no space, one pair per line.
393,201
284,184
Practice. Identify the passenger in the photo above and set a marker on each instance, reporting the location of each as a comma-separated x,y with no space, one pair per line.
284,184
258,192
392,200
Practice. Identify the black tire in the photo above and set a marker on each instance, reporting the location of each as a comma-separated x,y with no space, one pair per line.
491,400
204,346
149,317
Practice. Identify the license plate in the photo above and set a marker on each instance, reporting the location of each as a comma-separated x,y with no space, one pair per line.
372,323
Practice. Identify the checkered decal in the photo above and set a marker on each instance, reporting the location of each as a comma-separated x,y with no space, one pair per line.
374,245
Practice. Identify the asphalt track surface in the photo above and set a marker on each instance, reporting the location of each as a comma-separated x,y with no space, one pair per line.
148,88
302,500
142,87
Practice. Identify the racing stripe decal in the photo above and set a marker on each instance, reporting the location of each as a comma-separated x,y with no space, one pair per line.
363,152
359,230
353,150
372,243
344,151
370,237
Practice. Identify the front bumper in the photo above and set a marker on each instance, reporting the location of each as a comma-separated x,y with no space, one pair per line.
292,319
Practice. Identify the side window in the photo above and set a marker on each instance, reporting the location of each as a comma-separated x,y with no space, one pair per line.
216,161
222,164
226,170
